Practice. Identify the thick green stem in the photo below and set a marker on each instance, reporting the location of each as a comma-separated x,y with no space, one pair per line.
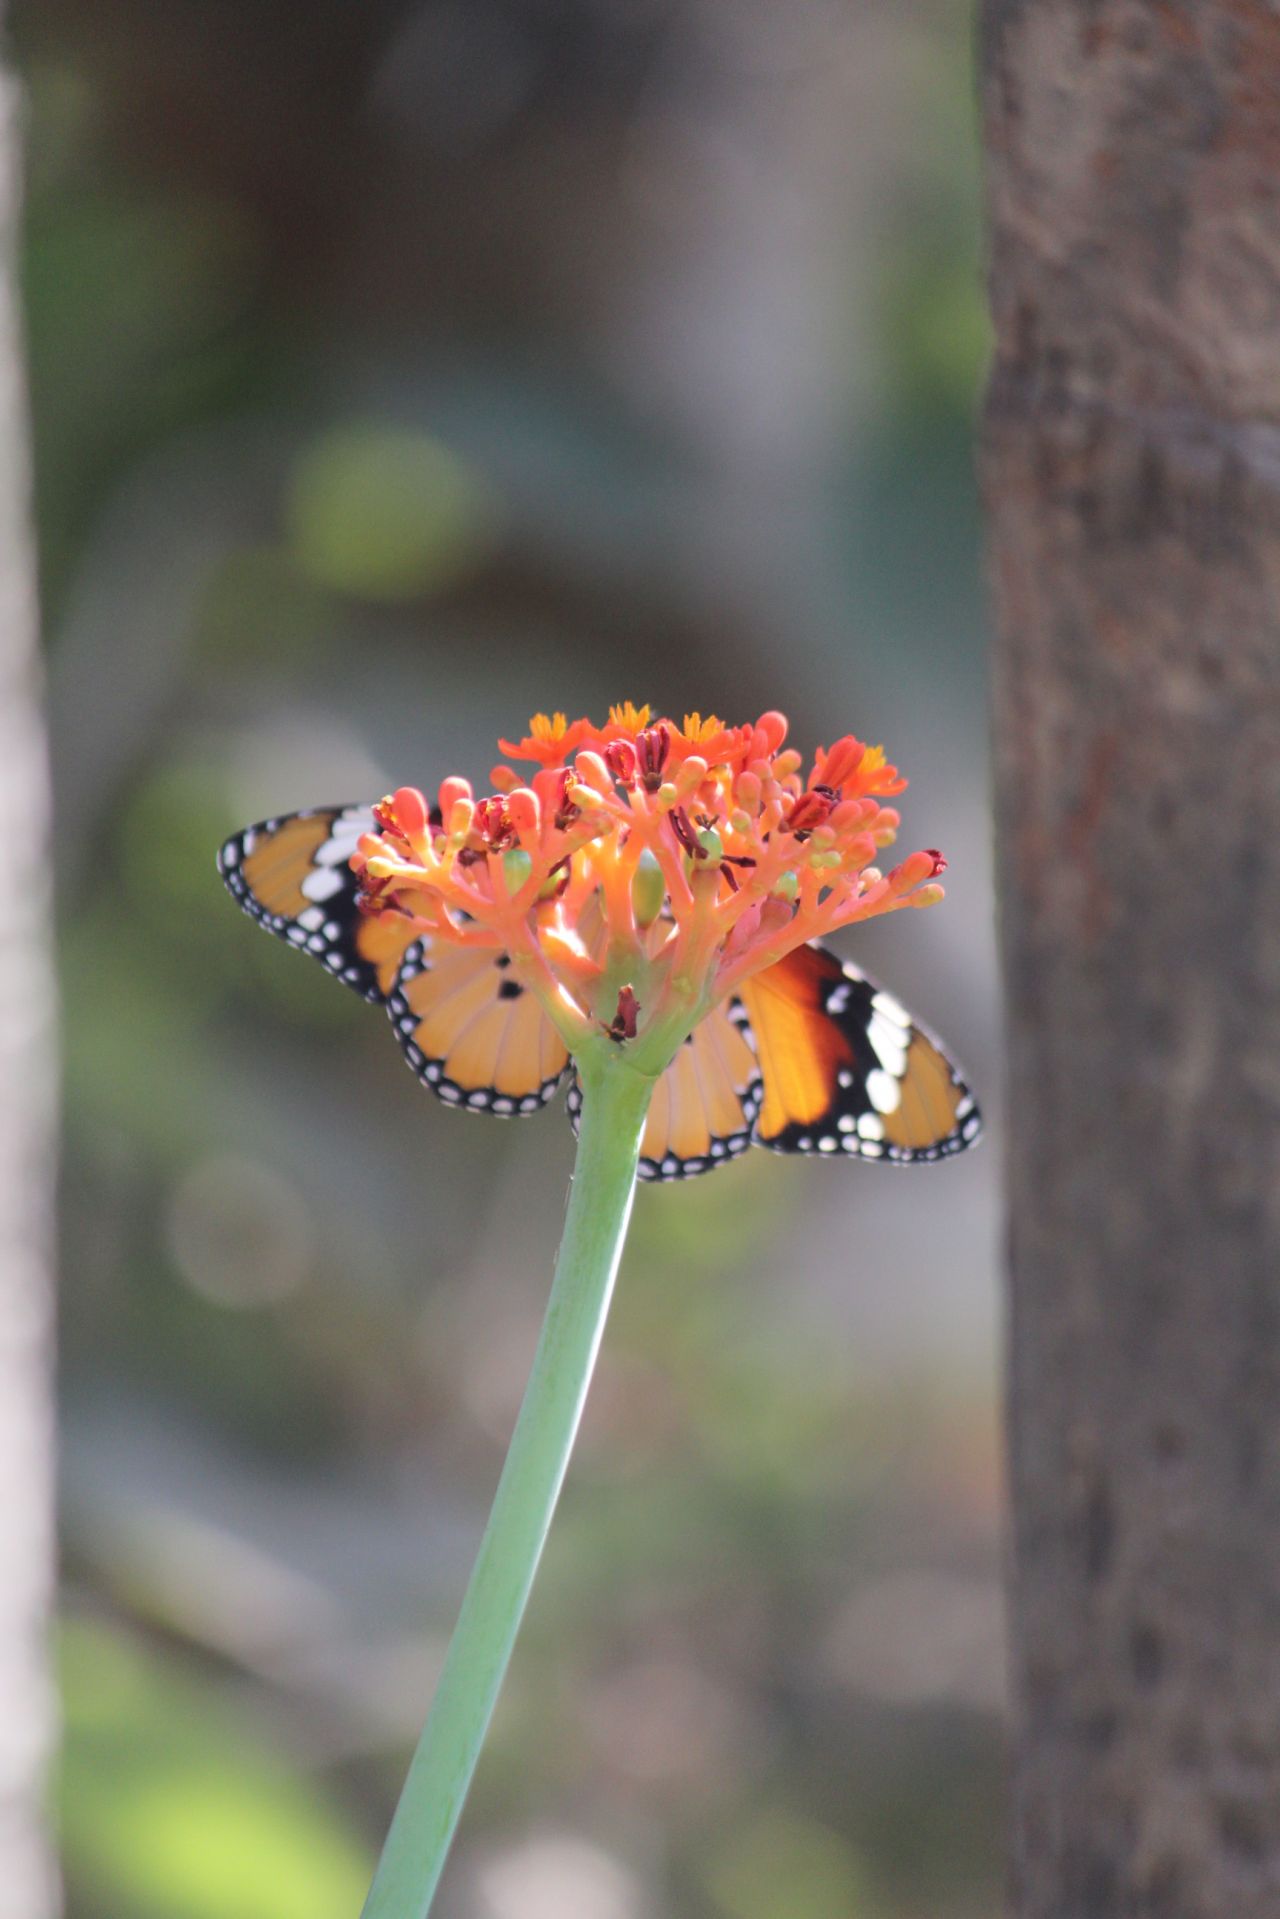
615,1101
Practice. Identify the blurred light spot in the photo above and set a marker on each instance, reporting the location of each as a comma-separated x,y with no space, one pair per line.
922,1638
555,1878
239,1233
668,1726
778,1865
386,514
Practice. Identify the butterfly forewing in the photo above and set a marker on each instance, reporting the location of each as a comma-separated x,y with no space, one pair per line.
292,875
848,1071
472,1033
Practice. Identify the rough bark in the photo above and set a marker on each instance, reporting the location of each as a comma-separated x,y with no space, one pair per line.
28,1887
1132,470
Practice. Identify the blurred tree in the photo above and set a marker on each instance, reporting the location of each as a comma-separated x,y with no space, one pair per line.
1132,468
26,1138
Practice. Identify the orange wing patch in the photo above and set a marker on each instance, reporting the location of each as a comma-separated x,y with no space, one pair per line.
472,1033
801,1050
292,875
704,1104
381,942
276,860
848,1071
931,1102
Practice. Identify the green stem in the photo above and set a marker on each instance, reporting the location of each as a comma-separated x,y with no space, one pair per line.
615,1102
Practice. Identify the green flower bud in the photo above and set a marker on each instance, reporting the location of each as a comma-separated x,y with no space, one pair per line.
516,868
648,889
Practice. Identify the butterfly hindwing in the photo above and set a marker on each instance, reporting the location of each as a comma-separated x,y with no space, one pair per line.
472,1033
292,875
848,1071
704,1104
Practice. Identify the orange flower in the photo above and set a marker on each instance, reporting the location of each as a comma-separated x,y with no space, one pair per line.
550,739
646,869
628,719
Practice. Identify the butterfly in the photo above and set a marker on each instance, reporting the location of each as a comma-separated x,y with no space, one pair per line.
810,1056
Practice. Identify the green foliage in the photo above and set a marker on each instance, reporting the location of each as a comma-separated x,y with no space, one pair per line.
384,513
778,1866
136,314
172,1807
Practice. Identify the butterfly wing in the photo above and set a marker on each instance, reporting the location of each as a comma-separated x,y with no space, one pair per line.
847,1070
292,876
704,1104
814,1058
472,1033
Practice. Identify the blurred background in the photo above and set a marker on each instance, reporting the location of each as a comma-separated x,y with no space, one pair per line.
398,370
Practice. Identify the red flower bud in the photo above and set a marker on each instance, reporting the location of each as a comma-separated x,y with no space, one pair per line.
524,810
811,809
410,810
592,771
773,726
620,758
841,761
652,747
452,790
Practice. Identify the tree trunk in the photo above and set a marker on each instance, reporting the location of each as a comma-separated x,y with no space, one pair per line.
28,1886
1132,470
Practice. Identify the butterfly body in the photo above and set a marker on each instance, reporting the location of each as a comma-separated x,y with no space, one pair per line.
810,1057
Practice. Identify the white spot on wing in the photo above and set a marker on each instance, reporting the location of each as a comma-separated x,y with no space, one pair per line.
883,1092
890,1043
343,834
322,882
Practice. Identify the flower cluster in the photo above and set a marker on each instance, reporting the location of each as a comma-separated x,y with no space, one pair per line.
645,869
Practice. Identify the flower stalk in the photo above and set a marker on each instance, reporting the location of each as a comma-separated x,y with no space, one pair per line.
614,1106
649,888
